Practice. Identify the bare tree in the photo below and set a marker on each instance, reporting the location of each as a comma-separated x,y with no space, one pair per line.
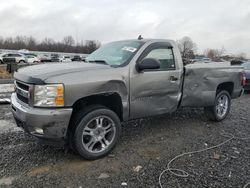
241,56
31,43
187,47
68,41
20,42
214,54
1,41
8,43
92,45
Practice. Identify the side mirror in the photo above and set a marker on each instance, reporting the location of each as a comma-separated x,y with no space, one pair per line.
148,64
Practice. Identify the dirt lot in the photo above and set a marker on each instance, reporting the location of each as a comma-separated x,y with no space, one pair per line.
148,144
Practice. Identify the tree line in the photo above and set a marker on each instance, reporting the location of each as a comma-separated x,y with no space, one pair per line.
67,44
188,49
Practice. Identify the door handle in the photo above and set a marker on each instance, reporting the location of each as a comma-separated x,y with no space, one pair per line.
173,78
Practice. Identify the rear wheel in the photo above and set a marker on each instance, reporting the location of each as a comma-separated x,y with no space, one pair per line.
21,61
221,107
97,132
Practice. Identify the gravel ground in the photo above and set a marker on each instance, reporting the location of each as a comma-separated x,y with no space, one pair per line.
145,148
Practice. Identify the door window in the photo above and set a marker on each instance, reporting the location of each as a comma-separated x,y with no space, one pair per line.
165,56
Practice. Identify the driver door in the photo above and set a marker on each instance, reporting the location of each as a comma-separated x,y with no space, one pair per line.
157,91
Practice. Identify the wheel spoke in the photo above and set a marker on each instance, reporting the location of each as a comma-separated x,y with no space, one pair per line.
218,109
108,128
104,142
224,101
91,144
220,100
99,121
87,131
221,111
86,134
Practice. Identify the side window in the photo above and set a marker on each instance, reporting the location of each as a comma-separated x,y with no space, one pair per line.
165,56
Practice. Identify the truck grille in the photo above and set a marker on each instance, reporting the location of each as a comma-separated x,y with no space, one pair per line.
22,91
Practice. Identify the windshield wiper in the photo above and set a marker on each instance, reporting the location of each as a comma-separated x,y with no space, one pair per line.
98,61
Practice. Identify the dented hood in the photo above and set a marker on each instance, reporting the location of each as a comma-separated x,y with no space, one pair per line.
37,74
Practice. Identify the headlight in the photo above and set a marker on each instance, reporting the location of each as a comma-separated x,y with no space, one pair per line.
49,95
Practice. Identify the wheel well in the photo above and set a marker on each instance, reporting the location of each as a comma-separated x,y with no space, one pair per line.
228,86
110,100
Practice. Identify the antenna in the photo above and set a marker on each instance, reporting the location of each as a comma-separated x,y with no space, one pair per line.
140,37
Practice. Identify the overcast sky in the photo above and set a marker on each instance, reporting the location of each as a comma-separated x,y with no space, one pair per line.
210,23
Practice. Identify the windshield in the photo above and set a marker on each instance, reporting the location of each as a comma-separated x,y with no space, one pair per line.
115,53
246,66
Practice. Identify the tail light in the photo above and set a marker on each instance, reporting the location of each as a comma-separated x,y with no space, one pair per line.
244,79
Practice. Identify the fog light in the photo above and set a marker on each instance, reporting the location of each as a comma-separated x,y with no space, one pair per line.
39,130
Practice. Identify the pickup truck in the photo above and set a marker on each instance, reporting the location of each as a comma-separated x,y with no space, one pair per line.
82,104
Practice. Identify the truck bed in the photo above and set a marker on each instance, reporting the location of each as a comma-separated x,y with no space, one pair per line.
202,80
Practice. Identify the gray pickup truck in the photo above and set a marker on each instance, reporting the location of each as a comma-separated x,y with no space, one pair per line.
82,104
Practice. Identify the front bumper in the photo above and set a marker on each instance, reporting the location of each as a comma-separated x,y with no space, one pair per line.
53,122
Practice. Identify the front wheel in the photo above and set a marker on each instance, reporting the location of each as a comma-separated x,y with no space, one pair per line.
97,133
221,107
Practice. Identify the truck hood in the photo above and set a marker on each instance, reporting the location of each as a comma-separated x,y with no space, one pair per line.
37,74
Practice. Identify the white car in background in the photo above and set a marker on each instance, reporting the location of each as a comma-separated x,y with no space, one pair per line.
65,59
1,58
10,57
32,59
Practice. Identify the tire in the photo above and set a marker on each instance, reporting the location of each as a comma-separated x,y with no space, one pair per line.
219,112
1,62
96,132
21,61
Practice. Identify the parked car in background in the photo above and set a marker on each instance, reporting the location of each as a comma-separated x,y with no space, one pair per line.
65,59
44,58
14,57
237,62
202,60
55,58
32,54
32,59
83,57
76,58
247,72
1,58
